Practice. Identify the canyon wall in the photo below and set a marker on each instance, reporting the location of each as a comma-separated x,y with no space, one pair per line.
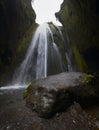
80,19
17,21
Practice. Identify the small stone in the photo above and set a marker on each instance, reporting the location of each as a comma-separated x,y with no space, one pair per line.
18,123
57,114
8,127
97,123
74,121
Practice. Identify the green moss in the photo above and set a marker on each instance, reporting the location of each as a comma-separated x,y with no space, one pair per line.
28,89
26,92
88,78
79,61
92,91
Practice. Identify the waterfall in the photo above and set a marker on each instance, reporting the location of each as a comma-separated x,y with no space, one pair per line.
42,58
68,51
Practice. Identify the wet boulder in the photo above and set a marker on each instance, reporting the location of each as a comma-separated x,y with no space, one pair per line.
74,118
56,93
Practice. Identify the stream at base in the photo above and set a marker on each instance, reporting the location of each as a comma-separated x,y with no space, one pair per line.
13,87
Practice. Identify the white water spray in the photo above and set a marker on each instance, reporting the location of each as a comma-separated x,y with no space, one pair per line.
68,51
35,64
43,58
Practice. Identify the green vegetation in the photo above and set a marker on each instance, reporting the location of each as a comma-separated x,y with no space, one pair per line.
28,90
79,61
25,94
88,78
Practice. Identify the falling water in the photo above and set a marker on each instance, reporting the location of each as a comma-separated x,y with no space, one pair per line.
41,54
68,51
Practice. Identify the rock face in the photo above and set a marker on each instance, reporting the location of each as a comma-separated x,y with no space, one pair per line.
16,18
56,93
73,119
80,20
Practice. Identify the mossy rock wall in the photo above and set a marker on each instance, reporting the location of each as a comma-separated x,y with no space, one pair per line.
17,23
80,19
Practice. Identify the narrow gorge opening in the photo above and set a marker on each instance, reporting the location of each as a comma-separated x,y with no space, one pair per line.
45,10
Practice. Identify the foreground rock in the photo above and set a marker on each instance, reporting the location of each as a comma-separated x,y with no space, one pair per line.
14,115
73,119
56,93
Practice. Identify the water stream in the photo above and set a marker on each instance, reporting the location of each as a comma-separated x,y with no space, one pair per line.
68,51
41,55
43,58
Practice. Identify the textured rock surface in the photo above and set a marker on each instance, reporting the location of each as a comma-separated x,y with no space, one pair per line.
81,21
15,115
58,92
16,18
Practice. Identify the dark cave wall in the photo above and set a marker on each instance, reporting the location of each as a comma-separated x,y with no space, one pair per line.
16,16
80,19
17,21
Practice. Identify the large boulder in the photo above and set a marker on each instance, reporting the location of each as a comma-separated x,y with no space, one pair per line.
56,93
73,119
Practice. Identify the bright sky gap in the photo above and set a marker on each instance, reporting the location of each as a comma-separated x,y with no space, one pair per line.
45,10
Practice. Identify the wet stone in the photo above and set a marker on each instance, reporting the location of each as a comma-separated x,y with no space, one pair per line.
56,93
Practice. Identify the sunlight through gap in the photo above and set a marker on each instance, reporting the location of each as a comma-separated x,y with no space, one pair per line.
45,10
